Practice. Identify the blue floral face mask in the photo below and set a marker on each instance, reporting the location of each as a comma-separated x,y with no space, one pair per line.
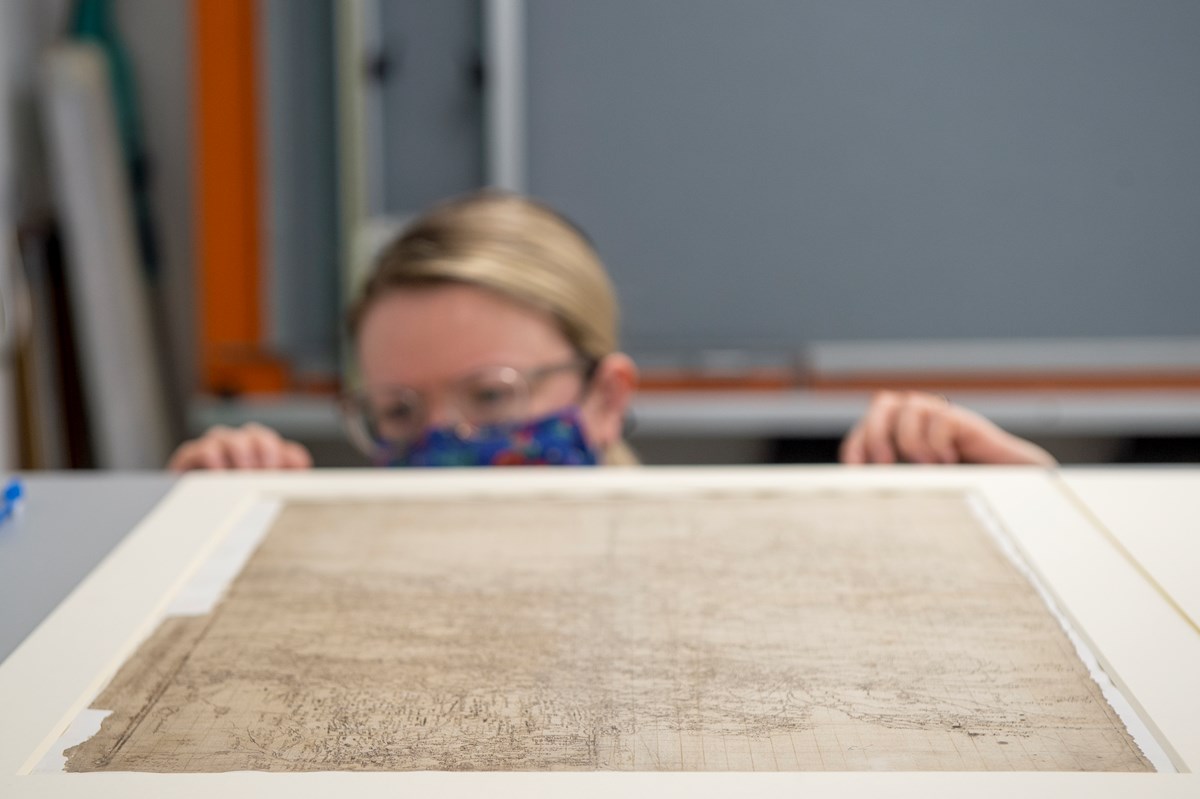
554,440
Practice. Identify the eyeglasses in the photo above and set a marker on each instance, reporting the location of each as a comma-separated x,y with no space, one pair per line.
393,417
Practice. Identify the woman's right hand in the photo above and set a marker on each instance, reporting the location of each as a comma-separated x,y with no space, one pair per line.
251,446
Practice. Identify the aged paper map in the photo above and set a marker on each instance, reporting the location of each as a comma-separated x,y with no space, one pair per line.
820,631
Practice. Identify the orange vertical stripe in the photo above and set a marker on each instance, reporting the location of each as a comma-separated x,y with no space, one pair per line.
228,198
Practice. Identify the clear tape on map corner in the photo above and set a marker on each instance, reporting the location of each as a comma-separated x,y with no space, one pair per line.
198,596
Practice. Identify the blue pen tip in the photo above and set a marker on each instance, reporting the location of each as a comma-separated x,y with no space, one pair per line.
14,490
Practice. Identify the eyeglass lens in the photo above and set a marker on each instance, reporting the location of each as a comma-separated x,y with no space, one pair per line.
487,399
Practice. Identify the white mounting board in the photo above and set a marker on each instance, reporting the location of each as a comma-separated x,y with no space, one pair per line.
1154,515
1148,647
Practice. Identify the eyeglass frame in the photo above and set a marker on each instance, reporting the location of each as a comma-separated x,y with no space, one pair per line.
354,404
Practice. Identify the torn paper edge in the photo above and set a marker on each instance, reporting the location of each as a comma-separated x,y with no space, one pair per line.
198,596
85,725
1134,724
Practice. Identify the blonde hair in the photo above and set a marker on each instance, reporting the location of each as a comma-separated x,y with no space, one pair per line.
518,248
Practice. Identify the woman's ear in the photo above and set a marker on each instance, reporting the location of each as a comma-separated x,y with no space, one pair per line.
608,397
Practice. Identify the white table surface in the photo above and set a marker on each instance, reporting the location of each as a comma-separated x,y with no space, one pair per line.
68,522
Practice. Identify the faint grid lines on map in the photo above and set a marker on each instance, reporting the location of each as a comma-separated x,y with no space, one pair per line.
718,631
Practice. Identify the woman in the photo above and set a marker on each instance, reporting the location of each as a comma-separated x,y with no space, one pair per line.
486,335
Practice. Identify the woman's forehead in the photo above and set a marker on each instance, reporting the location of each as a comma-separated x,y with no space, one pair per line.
431,334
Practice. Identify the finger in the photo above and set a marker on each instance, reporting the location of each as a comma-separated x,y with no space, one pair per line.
213,455
207,452
912,432
265,445
879,428
941,434
203,453
184,458
853,451
295,456
238,449
180,458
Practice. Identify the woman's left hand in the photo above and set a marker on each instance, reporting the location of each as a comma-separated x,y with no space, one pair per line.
915,427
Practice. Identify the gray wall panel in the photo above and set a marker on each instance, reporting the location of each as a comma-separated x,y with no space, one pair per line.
301,182
767,172
433,109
